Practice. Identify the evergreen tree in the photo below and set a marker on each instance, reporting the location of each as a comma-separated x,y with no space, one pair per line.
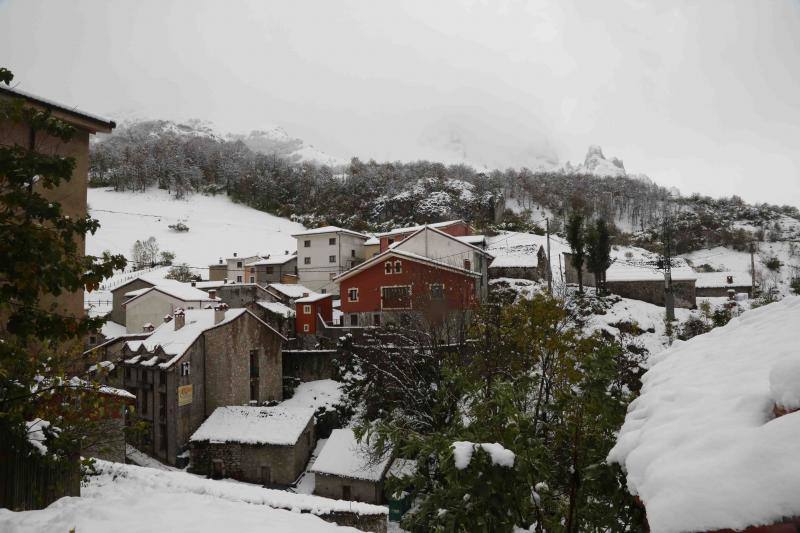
41,259
576,240
598,253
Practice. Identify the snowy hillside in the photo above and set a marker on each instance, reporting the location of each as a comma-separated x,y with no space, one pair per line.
275,140
217,226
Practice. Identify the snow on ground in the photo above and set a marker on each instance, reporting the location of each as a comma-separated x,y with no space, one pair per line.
701,446
324,393
140,458
307,481
128,499
217,226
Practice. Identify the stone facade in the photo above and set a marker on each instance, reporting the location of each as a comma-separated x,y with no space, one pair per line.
265,464
237,295
341,488
374,523
309,365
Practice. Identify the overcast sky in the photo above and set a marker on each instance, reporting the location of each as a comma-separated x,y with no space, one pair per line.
704,95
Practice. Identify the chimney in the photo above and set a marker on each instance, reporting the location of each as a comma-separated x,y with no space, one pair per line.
148,327
305,295
167,318
220,260
730,280
235,254
219,313
180,319
212,293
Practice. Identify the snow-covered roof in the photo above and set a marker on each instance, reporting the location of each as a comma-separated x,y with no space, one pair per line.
273,260
473,239
209,284
372,241
111,330
291,290
153,278
311,298
107,124
330,229
709,280
137,292
176,342
182,291
277,308
278,426
394,252
413,229
700,445
515,260
344,456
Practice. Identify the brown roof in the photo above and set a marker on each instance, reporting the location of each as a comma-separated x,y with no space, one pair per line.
93,123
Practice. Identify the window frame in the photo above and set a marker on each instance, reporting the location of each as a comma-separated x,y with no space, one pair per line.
442,294
331,259
388,269
398,266
307,243
350,292
307,260
306,328
410,292
332,241
306,309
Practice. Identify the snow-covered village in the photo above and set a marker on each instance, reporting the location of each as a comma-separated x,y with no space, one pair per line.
399,267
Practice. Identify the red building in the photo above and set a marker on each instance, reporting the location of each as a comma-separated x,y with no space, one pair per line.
308,308
456,228
397,282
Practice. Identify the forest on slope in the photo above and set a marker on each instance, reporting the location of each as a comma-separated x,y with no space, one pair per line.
372,196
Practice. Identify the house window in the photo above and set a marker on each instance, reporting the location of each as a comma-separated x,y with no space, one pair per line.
396,297
252,279
398,267
92,339
238,279
332,241
253,363
387,268
306,244
437,291
238,264
324,291
346,492
467,264
306,309
352,294
270,270
252,269
254,390
306,260
352,253
186,368
353,319
376,319
331,259
306,328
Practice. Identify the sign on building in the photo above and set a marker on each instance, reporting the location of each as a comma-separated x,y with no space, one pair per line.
184,395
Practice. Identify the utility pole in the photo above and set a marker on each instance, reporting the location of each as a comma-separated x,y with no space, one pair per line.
549,263
669,296
753,268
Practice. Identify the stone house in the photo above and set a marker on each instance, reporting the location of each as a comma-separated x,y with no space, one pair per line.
345,470
642,282
147,307
195,361
324,253
70,194
719,284
266,445
276,314
218,271
272,269
524,265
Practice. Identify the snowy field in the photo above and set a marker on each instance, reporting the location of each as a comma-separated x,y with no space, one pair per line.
127,499
217,226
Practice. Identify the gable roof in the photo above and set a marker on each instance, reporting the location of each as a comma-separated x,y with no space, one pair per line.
182,291
149,278
98,123
344,456
277,308
330,229
443,234
701,446
290,290
281,259
393,252
278,425
312,297
413,229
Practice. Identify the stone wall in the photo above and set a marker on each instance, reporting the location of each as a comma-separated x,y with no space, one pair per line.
652,291
360,490
531,273
375,523
238,295
309,365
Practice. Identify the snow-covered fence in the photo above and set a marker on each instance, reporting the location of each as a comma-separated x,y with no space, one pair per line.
125,276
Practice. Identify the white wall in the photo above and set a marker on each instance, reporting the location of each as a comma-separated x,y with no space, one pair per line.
317,275
234,270
152,307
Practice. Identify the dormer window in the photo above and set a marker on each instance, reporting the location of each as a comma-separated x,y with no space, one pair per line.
398,267
388,267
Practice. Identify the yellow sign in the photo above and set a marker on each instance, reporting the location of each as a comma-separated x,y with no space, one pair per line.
184,395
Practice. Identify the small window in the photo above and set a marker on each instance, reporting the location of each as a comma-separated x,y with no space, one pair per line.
323,291
238,264
353,319
388,267
331,259
306,260
92,339
437,291
252,270
352,294
306,309
252,279
306,244
467,264
376,319
186,368
332,241
238,279
352,253
398,267
270,270
306,328
345,492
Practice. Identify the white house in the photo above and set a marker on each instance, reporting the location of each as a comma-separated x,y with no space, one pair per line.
149,306
324,253
237,268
